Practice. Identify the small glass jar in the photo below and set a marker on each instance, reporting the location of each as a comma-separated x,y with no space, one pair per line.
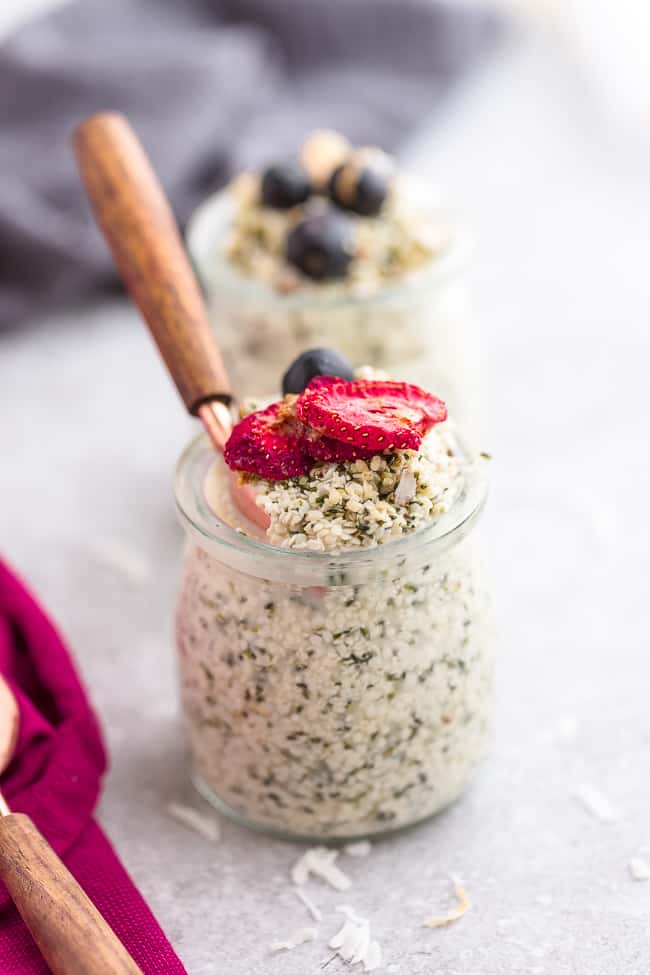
420,328
329,696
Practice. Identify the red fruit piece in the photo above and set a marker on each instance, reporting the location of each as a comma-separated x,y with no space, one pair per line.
266,444
373,415
327,449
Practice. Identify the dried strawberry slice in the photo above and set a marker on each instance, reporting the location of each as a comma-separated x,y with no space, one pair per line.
267,444
327,449
373,415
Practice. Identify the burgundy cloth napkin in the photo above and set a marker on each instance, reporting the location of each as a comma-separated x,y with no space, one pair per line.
55,778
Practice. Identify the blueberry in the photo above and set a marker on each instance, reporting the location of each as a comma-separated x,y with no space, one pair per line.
372,190
315,362
321,246
362,184
285,185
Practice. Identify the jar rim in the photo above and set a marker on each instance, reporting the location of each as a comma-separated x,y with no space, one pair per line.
206,229
305,567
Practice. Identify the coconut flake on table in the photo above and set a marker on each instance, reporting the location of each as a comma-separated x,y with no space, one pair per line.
353,943
596,804
205,825
123,558
320,862
299,937
314,911
373,958
639,868
360,849
456,913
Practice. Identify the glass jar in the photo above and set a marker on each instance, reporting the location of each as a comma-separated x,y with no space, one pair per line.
331,695
419,329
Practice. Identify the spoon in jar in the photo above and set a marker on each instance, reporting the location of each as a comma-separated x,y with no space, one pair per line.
136,219
71,934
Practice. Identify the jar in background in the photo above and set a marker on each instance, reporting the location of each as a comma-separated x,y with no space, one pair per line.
420,328
324,695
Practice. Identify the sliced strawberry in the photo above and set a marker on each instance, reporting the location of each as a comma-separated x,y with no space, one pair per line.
373,415
327,449
267,444
332,420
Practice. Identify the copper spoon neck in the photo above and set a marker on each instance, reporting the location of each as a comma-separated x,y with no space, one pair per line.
216,419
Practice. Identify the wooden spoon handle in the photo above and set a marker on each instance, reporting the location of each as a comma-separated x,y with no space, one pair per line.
9,720
138,224
71,934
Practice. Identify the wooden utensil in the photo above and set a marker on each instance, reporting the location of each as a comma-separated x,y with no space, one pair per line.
71,934
137,222
8,725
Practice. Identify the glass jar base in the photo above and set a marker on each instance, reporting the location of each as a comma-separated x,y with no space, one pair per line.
278,832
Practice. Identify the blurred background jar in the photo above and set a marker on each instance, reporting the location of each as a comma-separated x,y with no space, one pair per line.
416,325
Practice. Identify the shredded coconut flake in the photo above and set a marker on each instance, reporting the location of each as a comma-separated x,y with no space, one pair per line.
596,804
206,826
360,849
321,862
124,559
299,937
373,957
349,913
314,911
456,913
353,943
639,868
406,488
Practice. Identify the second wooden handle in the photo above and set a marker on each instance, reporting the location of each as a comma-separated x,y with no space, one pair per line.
138,224
71,934
9,720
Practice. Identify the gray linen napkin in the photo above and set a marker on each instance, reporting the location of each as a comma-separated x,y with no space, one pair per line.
210,85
